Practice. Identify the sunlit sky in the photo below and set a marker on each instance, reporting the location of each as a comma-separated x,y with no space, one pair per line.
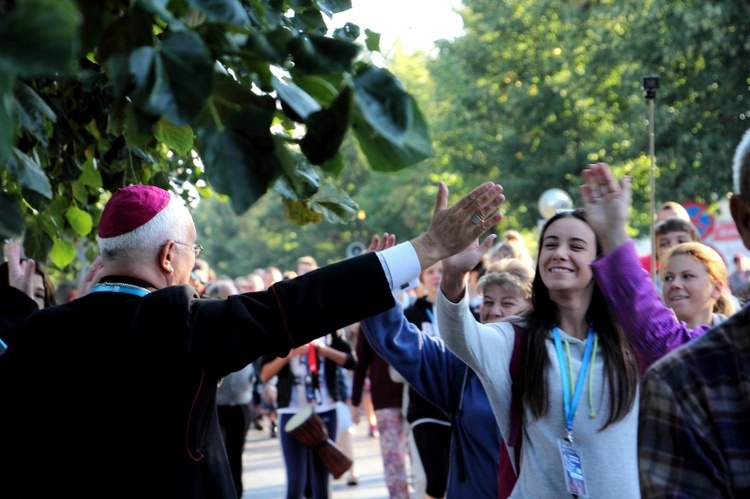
416,23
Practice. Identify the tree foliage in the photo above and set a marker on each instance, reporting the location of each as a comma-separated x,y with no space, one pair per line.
539,89
236,97
527,96
533,91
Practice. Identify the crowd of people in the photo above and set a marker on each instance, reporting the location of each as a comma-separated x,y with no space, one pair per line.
585,370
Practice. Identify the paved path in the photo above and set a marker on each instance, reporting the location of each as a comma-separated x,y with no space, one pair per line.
264,476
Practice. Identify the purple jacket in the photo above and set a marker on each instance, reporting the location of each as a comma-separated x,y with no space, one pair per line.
635,304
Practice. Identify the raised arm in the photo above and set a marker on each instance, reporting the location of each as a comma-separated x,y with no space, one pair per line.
627,287
422,359
20,273
457,267
89,279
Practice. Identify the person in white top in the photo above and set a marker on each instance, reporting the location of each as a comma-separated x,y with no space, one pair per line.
579,389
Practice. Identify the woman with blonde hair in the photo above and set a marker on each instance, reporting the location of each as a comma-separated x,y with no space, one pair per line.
505,289
695,284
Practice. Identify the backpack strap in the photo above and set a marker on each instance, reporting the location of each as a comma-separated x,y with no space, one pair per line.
509,466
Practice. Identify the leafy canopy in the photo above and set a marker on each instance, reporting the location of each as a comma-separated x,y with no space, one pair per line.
236,97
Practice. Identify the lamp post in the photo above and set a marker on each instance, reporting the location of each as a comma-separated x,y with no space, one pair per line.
651,84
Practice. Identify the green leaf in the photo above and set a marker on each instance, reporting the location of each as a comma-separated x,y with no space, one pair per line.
174,80
37,242
40,37
29,174
329,203
91,176
301,176
32,111
334,6
240,159
11,221
7,115
350,32
317,54
228,96
322,88
326,130
299,212
372,42
62,253
387,122
123,35
295,98
160,9
177,138
271,46
80,220
223,11
334,166
335,205
70,166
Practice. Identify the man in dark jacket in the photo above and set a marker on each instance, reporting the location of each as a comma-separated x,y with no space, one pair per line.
130,370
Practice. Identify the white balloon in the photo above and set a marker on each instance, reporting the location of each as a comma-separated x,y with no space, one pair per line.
552,200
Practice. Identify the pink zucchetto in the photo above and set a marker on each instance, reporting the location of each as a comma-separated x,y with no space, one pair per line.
131,207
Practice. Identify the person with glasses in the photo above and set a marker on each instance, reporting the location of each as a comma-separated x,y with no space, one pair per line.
152,429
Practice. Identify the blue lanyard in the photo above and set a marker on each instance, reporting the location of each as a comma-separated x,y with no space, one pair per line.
430,315
571,405
99,288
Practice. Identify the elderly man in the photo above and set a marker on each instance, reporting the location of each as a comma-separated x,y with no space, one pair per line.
114,394
694,428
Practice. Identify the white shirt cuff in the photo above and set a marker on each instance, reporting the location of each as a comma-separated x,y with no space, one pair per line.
401,266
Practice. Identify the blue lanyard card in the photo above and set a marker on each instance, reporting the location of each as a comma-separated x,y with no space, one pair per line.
573,469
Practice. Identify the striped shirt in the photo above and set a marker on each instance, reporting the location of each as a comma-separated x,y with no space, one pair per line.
694,429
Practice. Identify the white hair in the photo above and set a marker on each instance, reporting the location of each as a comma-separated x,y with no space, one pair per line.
741,167
167,225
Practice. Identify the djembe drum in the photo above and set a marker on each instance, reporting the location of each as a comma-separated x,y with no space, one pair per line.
310,430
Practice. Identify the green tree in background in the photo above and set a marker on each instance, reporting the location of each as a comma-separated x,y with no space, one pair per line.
538,89
535,90
236,97
527,96
397,202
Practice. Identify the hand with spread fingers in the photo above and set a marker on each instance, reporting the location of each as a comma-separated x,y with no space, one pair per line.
607,203
379,243
20,271
91,277
454,228
456,267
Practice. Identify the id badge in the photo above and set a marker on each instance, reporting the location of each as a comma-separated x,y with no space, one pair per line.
573,469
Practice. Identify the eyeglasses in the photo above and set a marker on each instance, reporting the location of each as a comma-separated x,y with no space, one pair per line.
196,247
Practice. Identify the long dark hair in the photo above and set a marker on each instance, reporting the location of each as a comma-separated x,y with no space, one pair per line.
619,358
49,287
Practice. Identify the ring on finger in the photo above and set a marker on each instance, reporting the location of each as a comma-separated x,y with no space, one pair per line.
476,219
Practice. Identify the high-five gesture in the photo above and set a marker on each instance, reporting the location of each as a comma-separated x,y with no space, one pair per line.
454,228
